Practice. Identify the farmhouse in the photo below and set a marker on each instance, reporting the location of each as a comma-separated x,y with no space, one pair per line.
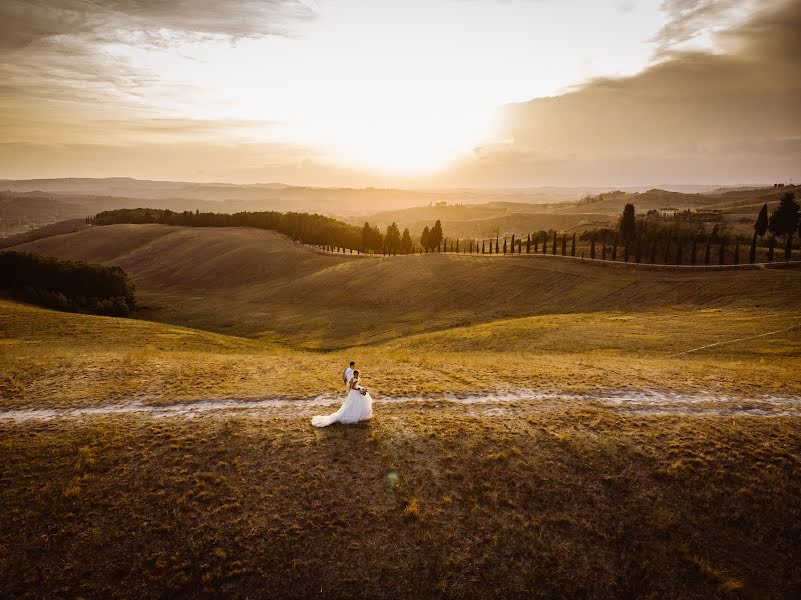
668,212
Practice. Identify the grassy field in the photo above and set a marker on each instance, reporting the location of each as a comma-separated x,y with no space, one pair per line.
416,503
259,284
50,358
560,494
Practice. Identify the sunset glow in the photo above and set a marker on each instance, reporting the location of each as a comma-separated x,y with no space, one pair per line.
338,92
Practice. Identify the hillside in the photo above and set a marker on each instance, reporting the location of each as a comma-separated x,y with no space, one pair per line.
257,283
486,219
725,200
57,228
489,219
20,211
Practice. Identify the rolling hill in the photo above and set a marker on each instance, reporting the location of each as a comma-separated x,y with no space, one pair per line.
502,217
256,283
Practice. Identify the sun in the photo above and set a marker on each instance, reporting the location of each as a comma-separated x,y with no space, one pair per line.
398,137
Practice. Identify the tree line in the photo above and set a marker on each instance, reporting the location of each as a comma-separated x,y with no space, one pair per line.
307,228
635,238
657,242
67,285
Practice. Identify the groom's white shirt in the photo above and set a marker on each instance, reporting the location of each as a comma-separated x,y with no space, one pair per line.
348,375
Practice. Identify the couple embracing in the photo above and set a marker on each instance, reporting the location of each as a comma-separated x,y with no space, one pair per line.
358,405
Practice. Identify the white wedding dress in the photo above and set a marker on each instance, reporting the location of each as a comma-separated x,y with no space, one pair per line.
357,407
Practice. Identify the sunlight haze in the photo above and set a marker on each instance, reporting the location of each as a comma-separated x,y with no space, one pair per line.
345,92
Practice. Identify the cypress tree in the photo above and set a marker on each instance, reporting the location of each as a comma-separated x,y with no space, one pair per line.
425,239
497,246
513,243
771,246
627,224
722,253
553,244
504,245
536,243
573,245
564,244
528,244
482,246
614,248
737,252
457,245
760,227
626,253
471,246
592,248
784,221
603,251
707,252
435,235
545,244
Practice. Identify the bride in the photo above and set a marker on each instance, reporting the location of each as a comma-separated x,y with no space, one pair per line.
358,406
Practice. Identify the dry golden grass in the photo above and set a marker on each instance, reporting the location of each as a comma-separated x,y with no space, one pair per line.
574,503
53,359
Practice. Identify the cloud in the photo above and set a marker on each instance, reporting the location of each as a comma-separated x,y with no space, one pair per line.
691,110
689,18
26,22
64,64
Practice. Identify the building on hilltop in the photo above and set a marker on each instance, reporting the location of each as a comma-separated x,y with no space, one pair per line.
668,213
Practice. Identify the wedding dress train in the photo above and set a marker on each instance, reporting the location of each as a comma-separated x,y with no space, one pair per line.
355,408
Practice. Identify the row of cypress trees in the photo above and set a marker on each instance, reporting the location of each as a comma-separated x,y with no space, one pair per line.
514,246
784,222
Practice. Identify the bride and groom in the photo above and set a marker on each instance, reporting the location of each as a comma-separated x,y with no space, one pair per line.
358,405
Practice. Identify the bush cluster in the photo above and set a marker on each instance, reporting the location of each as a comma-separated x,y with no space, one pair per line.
67,285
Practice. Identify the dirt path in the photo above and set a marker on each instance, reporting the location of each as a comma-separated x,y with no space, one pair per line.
490,405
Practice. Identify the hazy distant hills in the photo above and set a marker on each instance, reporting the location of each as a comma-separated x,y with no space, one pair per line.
26,204
137,188
480,220
142,188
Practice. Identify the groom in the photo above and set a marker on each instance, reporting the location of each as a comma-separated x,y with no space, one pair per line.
347,374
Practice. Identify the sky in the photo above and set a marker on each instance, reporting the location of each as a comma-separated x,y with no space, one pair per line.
434,93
